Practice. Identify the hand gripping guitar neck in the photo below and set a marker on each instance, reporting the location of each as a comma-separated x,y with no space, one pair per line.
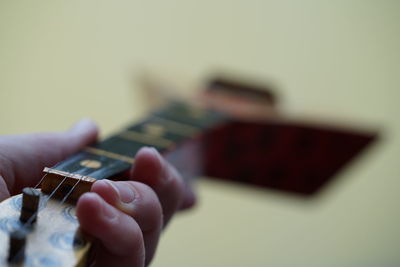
39,227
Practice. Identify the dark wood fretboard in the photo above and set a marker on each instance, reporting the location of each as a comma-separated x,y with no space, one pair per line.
164,130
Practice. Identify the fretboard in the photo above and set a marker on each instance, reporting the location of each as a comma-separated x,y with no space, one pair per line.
164,130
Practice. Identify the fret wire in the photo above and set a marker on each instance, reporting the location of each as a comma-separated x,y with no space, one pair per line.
177,127
108,154
146,139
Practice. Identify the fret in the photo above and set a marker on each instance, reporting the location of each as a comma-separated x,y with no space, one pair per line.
153,129
109,154
149,132
146,139
191,116
120,146
177,127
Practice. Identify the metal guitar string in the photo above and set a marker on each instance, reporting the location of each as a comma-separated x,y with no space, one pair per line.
82,170
73,187
79,170
76,184
41,180
45,200
80,179
44,176
29,221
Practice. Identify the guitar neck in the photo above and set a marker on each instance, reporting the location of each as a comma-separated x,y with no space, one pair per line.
165,130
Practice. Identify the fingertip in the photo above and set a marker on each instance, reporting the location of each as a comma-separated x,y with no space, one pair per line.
87,209
94,214
87,204
106,190
189,199
110,226
149,154
147,158
85,127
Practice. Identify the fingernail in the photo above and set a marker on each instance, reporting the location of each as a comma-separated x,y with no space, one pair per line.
125,192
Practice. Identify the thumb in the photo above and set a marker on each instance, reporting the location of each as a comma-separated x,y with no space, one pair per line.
82,133
23,157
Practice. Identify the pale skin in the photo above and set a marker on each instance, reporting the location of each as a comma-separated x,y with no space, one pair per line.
125,217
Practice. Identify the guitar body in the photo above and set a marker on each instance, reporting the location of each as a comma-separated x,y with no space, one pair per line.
55,239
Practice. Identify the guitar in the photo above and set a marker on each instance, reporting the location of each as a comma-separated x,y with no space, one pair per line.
39,226
252,145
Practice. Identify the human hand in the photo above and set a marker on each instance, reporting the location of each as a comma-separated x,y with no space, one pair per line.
126,218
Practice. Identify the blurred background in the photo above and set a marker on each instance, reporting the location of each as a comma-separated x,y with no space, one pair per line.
63,60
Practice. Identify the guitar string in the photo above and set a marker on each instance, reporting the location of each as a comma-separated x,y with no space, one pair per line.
82,170
76,184
80,179
79,170
45,200
29,221
82,173
41,180
33,216
44,176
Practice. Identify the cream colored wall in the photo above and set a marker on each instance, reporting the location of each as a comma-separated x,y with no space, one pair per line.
62,60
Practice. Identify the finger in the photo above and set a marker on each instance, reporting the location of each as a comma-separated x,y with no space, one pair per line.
189,199
138,201
4,193
150,168
23,157
120,236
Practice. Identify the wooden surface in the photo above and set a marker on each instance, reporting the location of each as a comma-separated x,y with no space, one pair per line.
63,60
